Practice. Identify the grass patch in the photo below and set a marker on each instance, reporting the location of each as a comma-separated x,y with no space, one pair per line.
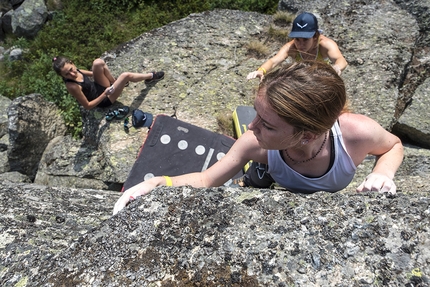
277,34
225,125
283,19
258,49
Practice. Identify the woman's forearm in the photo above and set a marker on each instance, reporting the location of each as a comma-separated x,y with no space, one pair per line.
389,162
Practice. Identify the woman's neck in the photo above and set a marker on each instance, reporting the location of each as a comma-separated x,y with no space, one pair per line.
312,54
307,153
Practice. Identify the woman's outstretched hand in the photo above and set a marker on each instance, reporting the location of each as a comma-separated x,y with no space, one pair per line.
131,194
255,74
377,182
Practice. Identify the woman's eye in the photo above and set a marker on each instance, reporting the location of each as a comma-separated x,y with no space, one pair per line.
267,127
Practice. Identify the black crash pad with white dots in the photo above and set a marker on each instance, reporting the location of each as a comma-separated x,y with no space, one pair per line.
174,147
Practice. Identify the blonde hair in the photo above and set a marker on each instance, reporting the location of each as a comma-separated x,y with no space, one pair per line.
308,95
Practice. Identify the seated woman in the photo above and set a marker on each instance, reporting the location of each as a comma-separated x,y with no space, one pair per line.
105,89
305,135
307,44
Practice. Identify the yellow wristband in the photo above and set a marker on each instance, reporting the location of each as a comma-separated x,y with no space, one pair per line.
263,70
168,180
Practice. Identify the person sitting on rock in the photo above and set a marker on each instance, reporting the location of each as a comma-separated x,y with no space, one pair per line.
105,89
305,134
307,44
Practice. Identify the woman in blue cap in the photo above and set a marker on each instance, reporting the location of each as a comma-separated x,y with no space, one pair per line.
307,44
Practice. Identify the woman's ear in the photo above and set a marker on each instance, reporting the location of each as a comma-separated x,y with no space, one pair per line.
308,137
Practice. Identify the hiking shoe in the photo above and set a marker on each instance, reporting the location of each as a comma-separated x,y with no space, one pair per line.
156,76
121,112
110,115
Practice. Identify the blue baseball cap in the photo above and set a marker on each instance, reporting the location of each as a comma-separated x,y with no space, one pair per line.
304,26
141,119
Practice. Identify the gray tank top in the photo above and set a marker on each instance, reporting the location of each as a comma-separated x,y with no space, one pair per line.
337,178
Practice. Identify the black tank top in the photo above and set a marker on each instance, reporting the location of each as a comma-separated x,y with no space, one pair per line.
88,87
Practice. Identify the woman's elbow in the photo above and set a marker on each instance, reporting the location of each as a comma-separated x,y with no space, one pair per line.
345,65
88,106
399,146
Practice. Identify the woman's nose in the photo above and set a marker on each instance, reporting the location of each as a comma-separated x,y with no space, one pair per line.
254,123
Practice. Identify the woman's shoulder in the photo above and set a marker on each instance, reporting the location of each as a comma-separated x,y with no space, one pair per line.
248,141
72,86
326,42
357,127
351,121
249,147
289,48
323,38
351,118
290,44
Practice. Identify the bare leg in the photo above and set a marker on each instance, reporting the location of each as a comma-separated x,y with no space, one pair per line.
101,73
122,81
108,74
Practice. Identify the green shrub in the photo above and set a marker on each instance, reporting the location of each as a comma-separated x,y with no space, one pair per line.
262,6
108,6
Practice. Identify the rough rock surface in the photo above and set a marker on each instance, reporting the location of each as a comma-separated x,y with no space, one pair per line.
74,163
33,123
26,20
215,237
59,236
37,222
4,121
